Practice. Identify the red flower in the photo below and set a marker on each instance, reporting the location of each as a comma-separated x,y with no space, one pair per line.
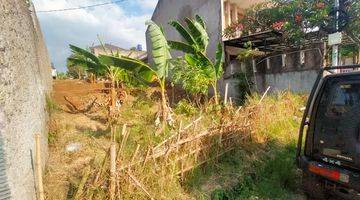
278,25
320,5
298,18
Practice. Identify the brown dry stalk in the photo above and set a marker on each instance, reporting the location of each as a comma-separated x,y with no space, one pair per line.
125,135
139,185
264,95
38,167
193,123
87,108
98,144
169,149
184,149
194,151
102,169
183,170
112,170
80,190
135,153
147,156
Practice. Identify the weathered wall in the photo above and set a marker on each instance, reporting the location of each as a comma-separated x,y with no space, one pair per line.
24,82
210,10
299,82
294,76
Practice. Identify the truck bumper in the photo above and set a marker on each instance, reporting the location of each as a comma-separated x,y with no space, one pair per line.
346,188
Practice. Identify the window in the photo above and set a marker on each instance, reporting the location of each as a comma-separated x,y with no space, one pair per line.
343,97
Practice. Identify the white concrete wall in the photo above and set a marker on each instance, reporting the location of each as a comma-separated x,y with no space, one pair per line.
298,81
210,10
25,79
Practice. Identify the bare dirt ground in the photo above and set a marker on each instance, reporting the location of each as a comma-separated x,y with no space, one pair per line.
71,131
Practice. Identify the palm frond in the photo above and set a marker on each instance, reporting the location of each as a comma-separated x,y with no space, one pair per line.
219,60
160,49
140,70
85,53
201,21
183,32
123,62
88,65
180,46
199,33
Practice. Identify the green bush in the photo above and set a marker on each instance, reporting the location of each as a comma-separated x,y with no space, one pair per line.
185,107
51,106
62,76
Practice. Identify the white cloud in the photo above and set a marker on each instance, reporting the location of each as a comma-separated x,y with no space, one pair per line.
81,27
147,4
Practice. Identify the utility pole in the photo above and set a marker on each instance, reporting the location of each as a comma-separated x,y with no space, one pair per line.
335,47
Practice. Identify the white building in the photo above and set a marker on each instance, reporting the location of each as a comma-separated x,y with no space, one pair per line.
218,15
277,65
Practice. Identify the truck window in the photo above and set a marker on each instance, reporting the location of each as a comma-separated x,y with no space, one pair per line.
342,97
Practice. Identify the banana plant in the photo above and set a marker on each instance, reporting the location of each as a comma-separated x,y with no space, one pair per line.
150,73
195,36
95,66
87,59
196,41
76,69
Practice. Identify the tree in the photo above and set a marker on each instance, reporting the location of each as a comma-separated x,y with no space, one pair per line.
297,18
95,66
158,72
75,70
195,46
353,29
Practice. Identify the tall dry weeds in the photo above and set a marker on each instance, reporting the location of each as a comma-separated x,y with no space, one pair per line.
157,167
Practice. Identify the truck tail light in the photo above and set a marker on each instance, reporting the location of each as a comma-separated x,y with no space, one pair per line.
328,173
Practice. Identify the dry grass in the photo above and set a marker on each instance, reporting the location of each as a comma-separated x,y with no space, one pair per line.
85,174
159,164
263,168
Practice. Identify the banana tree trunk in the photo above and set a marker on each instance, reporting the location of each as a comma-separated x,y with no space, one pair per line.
216,95
113,97
79,74
164,108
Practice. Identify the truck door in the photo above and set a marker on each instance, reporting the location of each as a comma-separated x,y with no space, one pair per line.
336,128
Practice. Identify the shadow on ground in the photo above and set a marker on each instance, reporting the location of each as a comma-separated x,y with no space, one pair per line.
256,171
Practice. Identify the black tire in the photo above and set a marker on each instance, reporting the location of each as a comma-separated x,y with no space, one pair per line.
314,188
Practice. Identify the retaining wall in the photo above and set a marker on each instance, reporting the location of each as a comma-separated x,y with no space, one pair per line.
25,80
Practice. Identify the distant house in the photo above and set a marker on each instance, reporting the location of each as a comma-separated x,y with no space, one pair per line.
276,65
136,52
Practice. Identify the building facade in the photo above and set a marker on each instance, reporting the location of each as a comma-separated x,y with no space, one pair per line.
292,69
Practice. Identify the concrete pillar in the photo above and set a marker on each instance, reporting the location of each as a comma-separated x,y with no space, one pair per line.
223,25
227,13
234,13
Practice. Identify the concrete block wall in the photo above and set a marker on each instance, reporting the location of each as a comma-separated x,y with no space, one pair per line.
294,76
25,80
296,81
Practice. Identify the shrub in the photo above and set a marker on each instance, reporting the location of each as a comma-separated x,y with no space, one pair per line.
186,108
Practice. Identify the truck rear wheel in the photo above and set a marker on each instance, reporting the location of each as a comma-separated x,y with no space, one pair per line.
313,187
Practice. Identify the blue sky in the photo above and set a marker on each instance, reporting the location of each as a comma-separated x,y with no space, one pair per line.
122,24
